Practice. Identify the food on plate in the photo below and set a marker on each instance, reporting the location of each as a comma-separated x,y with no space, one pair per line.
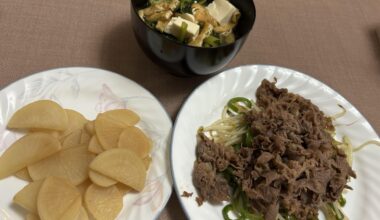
82,214
27,197
147,161
186,194
199,200
123,189
94,145
108,131
122,165
65,162
24,174
205,23
70,164
54,133
83,186
31,216
103,202
58,199
90,127
100,179
43,114
74,211
85,138
73,139
125,116
273,159
134,139
26,151
76,121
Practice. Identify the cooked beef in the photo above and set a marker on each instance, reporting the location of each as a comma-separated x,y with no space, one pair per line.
292,166
186,194
212,185
199,200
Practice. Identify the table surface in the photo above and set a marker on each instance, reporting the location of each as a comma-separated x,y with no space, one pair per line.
333,41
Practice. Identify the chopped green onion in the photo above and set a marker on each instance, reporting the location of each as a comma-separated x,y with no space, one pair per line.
226,210
228,175
152,24
239,207
233,103
207,45
228,39
185,6
342,201
236,146
182,32
211,40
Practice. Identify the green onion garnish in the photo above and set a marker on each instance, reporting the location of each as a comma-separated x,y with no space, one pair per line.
182,32
212,41
233,103
185,6
342,201
226,210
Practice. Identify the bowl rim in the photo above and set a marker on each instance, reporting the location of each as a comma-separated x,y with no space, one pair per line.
190,46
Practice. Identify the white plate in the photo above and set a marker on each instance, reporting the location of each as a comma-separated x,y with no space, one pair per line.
206,103
91,91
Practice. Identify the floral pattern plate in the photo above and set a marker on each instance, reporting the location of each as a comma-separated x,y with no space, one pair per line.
206,103
91,91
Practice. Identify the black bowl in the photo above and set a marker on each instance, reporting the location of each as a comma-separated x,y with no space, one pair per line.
185,60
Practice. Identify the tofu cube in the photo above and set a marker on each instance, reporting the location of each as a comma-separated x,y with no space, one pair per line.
174,27
222,10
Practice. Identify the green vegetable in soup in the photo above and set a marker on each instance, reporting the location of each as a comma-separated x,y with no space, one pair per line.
212,41
182,32
185,6
158,14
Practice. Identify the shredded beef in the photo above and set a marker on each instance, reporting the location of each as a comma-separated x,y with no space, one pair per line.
292,166
199,200
186,194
